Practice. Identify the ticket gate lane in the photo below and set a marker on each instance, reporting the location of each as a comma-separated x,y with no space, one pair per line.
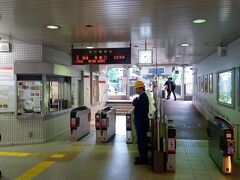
80,122
221,143
105,124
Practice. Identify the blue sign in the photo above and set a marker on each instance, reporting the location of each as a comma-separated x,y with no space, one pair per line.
157,71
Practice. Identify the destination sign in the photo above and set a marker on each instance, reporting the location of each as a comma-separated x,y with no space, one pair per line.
101,56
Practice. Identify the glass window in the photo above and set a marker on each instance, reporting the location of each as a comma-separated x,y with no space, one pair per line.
56,95
225,88
29,97
95,89
116,81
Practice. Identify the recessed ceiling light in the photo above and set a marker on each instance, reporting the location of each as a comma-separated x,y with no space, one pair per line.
185,44
178,56
52,27
88,25
89,47
199,21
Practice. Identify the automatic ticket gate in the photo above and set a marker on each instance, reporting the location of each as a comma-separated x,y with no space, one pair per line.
171,146
80,122
130,129
105,122
221,143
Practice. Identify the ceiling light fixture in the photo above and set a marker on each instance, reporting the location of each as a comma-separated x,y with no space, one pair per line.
178,56
88,25
185,45
89,47
199,21
53,27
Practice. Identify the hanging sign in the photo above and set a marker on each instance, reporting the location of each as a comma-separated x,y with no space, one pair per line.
101,56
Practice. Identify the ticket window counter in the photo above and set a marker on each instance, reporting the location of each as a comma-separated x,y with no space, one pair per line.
35,94
57,93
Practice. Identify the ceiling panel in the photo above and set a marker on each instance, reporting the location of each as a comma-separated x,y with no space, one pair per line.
162,24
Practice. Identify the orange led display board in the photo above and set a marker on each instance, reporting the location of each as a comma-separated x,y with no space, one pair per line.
101,56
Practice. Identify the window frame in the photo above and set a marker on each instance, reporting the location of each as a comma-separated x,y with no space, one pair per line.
232,105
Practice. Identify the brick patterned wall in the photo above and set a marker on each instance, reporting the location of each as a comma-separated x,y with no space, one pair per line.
206,103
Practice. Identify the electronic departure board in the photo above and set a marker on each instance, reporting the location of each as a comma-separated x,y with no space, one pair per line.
101,56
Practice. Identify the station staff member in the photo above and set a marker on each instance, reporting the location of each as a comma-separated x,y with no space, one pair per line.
141,109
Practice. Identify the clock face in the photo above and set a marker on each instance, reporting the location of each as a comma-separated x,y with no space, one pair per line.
145,56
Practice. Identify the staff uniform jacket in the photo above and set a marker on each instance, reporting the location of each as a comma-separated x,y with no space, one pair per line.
141,109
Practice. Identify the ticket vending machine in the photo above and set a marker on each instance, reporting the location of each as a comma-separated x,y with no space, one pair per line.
221,143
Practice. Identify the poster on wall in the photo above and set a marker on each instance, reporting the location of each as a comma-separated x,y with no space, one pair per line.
29,96
211,83
206,83
7,96
202,84
225,87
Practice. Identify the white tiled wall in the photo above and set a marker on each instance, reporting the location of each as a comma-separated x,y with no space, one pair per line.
206,103
15,131
56,126
54,56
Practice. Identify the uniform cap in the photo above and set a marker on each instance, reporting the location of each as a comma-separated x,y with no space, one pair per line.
139,84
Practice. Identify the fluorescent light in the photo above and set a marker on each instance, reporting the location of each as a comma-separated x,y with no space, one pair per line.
185,44
89,47
52,27
199,21
178,56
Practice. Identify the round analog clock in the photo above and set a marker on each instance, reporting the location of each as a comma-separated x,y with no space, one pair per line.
145,56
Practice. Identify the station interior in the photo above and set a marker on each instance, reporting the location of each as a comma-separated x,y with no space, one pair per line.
68,75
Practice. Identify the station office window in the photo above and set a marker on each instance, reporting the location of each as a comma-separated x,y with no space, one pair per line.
29,94
57,92
225,88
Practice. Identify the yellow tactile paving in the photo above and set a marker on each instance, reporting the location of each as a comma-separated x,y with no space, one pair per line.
58,156
19,154
35,170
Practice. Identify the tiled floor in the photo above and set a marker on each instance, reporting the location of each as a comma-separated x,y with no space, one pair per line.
86,160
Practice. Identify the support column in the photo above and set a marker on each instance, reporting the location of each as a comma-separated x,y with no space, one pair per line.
182,82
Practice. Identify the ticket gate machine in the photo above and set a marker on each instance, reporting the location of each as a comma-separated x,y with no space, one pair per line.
80,118
105,123
221,143
171,146
108,117
130,129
